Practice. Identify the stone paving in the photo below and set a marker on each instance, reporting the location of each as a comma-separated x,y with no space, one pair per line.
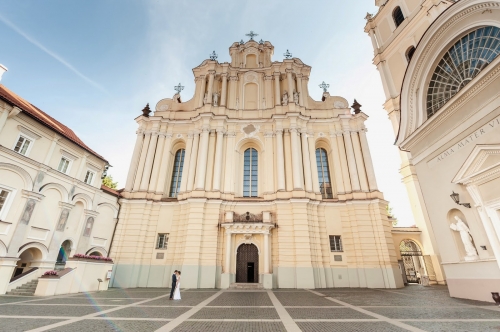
414,308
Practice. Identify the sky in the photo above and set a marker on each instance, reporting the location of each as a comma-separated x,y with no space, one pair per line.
94,64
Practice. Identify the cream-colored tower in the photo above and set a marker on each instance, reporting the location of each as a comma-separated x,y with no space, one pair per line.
253,180
395,31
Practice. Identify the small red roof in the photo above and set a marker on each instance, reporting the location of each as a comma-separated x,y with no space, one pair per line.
110,191
42,117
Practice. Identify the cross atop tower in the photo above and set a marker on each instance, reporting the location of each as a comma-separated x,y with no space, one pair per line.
178,88
287,55
251,34
324,86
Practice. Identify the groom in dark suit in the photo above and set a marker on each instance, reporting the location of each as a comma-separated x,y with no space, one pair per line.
174,282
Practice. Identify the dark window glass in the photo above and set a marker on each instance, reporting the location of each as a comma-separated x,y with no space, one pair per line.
398,16
323,173
250,173
336,243
175,184
460,64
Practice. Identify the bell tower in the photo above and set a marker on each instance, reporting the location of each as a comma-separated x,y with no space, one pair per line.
395,31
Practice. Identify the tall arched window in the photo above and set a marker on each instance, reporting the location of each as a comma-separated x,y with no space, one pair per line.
398,16
323,173
250,173
460,64
175,184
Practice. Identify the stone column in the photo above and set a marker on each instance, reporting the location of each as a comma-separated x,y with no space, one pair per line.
314,165
360,165
280,160
374,41
229,167
187,162
277,94
299,89
232,91
343,162
135,160
211,74
223,93
164,165
266,253
142,160
202,90
296,157
289,78
148,166
269,161
219,146
268,91
370,171
351,161
227,267
192,162
156,163
201,167
306,161
337,168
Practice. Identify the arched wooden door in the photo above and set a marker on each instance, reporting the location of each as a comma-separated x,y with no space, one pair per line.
247,263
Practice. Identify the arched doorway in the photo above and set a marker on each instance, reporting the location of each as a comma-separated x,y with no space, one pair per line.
26,259
247,263
63,255
95,253
412,260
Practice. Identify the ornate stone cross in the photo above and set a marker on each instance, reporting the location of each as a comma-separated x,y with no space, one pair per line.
251,34
324,86
213,56
178,88
287,54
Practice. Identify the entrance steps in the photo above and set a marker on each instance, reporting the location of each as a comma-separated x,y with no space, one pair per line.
27,289
246,286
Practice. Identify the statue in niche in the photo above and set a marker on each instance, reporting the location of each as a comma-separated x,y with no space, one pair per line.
205,99
62,220
28,211
285,99
215,98
466,238
295,97
237,103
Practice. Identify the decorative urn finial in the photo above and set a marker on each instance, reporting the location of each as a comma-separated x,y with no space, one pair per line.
146,110
356,106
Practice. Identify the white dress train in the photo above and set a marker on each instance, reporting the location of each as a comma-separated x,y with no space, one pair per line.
177,292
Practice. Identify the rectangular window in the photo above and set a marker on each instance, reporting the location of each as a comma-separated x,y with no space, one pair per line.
63,165
22,145
162,241
335,243
89,177
3,198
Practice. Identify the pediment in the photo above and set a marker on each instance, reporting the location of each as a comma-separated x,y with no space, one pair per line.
482,160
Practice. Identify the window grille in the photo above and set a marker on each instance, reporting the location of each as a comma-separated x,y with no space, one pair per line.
398,16
175,184
22,145
250,173
323,173
460,64
63,165
89,177
162,242
335,243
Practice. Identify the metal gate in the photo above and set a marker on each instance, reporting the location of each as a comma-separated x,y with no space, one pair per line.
247,263
410,251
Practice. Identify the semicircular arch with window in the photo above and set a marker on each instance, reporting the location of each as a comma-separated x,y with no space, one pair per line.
460,64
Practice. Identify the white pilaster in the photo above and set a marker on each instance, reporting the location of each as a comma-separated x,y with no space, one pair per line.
296,157
164,165
289,78
187,162
337,168
211,74
135,160
266,252
223,93
202,90
351,161
229,167
227,266
148,166
299,89
360,165
306,161
201,169
142,160
277,95
280,160
192,162
370,172
219,146
314,165
268,141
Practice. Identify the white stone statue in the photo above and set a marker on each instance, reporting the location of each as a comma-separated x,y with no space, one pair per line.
205,99
461,227
215,98
295,97
285,99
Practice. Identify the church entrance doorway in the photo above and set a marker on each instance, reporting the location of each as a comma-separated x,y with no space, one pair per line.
413,261
247,264
63,255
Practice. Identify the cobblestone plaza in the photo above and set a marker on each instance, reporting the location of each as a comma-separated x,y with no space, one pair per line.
414,308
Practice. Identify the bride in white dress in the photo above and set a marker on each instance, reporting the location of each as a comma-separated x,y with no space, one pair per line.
177,292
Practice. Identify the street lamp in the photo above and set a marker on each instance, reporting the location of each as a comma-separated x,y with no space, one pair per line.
455,197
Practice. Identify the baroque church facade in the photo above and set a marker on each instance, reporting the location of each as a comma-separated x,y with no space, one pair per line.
251,180
439,64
